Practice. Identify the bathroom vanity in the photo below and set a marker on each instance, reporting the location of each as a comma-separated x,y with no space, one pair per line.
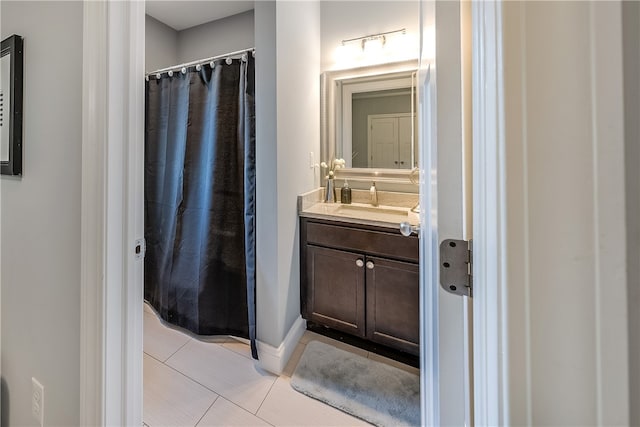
359,275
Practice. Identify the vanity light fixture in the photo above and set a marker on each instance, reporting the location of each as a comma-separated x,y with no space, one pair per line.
379,39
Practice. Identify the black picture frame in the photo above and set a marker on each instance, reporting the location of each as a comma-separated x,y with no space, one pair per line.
11,106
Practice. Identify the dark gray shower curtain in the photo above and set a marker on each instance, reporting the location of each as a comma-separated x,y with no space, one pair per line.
200,198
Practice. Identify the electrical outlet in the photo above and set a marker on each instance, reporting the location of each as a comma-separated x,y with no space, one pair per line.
312,161
37,401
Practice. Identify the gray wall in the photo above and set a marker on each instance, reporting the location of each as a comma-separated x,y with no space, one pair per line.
631,55
364,107
284,137
161,45
298,103
269,313
217,37
165,46
40,239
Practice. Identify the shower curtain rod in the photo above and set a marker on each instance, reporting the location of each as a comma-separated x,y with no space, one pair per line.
202,61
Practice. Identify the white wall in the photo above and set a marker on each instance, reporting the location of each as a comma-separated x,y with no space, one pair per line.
565,215
631,46
41,219
161,45
342,20
216,38
284,137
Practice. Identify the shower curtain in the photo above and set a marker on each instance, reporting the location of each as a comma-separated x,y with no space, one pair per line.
200,198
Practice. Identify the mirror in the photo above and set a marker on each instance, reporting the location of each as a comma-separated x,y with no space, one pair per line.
11,68
369,119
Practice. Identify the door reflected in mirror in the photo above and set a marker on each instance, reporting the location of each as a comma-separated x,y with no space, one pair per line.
382,129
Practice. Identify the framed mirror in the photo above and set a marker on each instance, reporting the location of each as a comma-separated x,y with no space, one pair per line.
368,118
11,73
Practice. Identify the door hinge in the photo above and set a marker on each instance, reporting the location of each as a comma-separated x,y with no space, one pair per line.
140,248
456,266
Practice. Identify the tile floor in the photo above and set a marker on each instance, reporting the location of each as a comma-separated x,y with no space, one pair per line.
214,382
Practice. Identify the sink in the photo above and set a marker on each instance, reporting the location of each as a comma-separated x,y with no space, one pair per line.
390,215
375,210
387,214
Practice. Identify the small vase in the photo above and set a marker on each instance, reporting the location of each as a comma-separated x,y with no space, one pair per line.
330,192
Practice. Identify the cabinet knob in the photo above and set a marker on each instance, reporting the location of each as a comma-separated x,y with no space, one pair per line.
370,265
359,263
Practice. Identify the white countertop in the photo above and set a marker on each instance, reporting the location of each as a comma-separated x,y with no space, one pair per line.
361,213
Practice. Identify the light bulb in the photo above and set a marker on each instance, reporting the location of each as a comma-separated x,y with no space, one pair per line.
373,48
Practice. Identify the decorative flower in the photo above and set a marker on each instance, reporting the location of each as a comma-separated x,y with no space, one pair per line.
335,165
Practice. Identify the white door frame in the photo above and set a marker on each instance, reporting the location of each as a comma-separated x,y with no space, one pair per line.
113,126
429,366
491,394
112,199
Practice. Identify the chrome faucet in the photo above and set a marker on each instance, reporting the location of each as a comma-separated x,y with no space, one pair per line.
374,194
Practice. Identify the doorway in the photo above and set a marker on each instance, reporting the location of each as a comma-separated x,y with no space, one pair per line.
132,390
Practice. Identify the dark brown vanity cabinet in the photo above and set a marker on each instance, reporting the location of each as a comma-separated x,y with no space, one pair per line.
362,280
393,303
335,289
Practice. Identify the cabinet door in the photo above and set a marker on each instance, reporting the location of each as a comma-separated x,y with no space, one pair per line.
335,289
393,303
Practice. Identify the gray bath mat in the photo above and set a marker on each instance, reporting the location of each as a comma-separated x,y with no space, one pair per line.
377,393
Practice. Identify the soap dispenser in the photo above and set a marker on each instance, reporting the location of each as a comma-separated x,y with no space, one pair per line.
345,195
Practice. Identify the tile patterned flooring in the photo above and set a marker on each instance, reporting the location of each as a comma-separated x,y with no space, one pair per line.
214,382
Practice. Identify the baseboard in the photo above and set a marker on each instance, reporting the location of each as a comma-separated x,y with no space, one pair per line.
274,359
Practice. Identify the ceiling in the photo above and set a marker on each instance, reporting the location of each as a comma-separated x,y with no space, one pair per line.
181,14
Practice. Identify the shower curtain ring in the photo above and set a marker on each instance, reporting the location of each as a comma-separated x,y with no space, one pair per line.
158,75
212,65
170,73
229,61
198,67
244,58
146,78
184,70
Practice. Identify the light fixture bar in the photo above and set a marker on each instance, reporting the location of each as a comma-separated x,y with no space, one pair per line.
374,36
